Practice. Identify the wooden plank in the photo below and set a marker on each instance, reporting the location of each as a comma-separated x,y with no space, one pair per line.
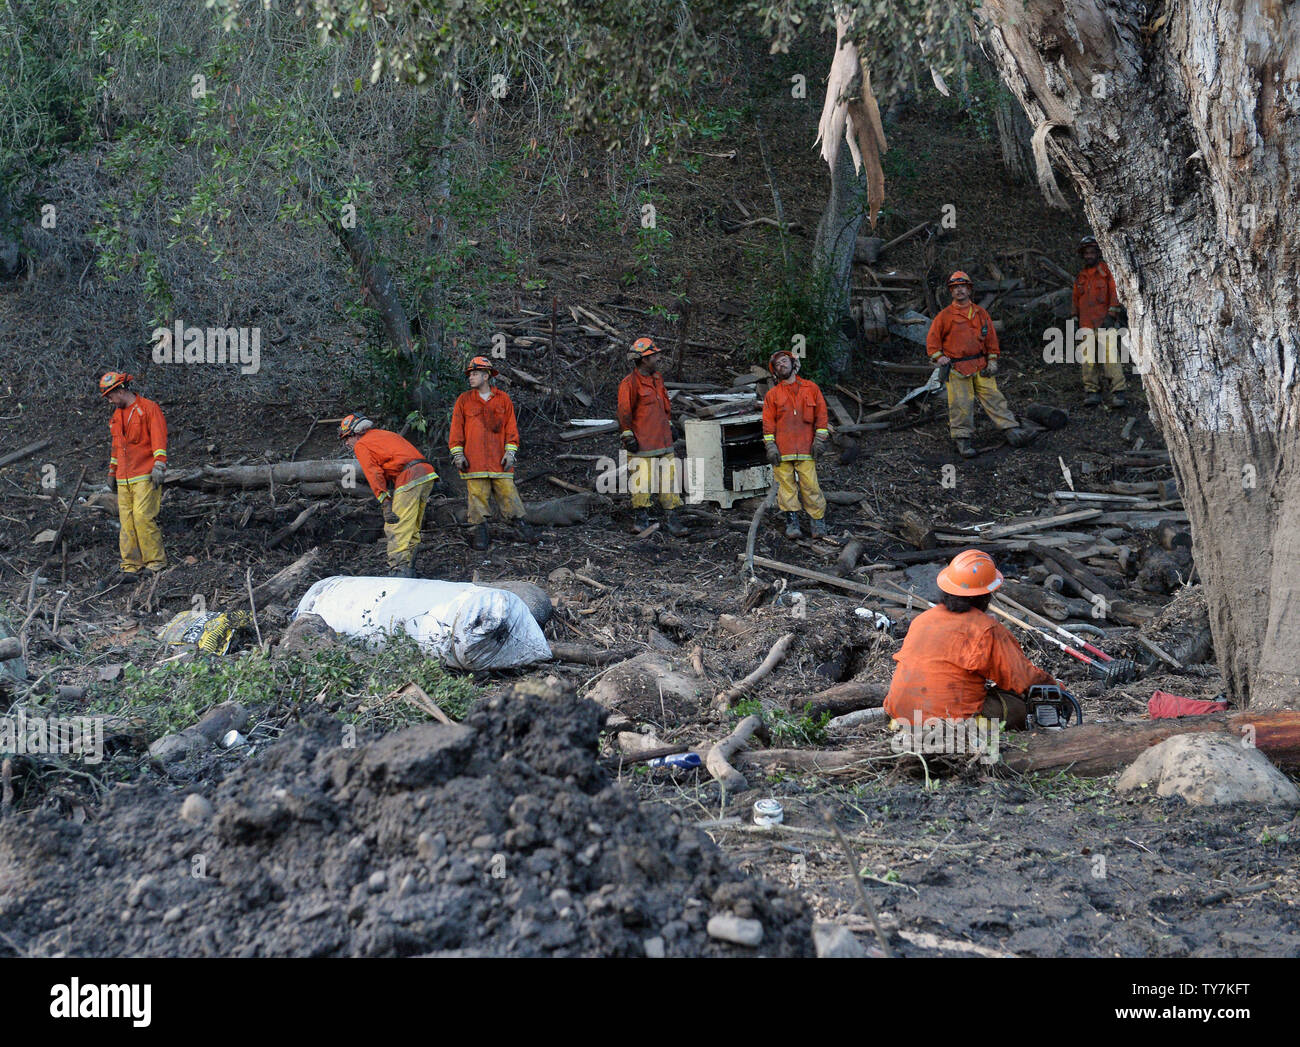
1035,523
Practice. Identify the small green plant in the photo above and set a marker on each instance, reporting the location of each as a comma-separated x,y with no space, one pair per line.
792,314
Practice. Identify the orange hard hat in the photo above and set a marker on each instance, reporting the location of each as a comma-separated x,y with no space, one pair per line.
481,363
771,360
971,573
959,278
113,380
644,347
354,425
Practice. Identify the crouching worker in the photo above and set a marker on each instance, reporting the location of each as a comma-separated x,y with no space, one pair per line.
954,647
484,440
136,467
390,460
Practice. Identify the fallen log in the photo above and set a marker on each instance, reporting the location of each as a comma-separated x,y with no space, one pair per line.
718,762
317,471
25,452
726,699
1037,523
1097,749
581,654
1043,601
916,530
583,432
848,558
843,698
292,528
288,578
1047,416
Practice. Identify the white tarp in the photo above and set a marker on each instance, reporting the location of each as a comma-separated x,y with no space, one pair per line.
467,626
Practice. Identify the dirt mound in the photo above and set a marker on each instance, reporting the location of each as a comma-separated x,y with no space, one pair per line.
501,836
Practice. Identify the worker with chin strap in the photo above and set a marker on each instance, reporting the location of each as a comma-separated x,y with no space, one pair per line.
953,648
962,338
388,459
795,429
645,424
484,441
136,468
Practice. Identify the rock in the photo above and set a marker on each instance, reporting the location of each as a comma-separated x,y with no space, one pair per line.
306,633
196,809
650,687
834,941
654,948
923,579
417,756
142,892
727,928
560,576
378,881
171,749
1210,770
173,914
109,673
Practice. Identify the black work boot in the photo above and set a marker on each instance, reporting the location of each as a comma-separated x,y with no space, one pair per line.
1118,400
480,539
818,528
792,526
640,520
1092,400
964,446
406,570
673,523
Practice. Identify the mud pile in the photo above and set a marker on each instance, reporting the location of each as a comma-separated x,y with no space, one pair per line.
500,836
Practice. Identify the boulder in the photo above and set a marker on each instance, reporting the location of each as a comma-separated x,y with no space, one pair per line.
1210,770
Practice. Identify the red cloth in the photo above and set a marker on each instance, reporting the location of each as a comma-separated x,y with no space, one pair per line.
1166,706
965,335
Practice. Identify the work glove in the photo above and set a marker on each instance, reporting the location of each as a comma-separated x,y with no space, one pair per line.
940,361
112,476
773,455
460,461
819,445
390,517
508,461
157,473
630,443
991,368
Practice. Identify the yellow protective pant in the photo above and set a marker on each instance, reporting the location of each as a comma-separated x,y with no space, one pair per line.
962,393
140,542
795,480
653,475
1098,353
481,488
404,536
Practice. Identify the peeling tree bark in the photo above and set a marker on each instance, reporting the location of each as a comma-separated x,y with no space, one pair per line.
1180,127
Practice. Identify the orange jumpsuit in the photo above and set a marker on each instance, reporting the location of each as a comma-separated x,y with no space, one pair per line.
387,458
139,435
1094,296
483,431
945,660
644,411
966,336
794,415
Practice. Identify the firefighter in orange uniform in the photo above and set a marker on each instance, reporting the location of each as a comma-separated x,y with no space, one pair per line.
795,430
388,459
954,647
645,422
484,440
137,466
1096,307
963,336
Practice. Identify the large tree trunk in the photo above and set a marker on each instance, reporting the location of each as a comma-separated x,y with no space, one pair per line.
1183,139
837,235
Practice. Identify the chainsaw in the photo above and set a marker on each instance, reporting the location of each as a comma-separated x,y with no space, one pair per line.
1051,706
